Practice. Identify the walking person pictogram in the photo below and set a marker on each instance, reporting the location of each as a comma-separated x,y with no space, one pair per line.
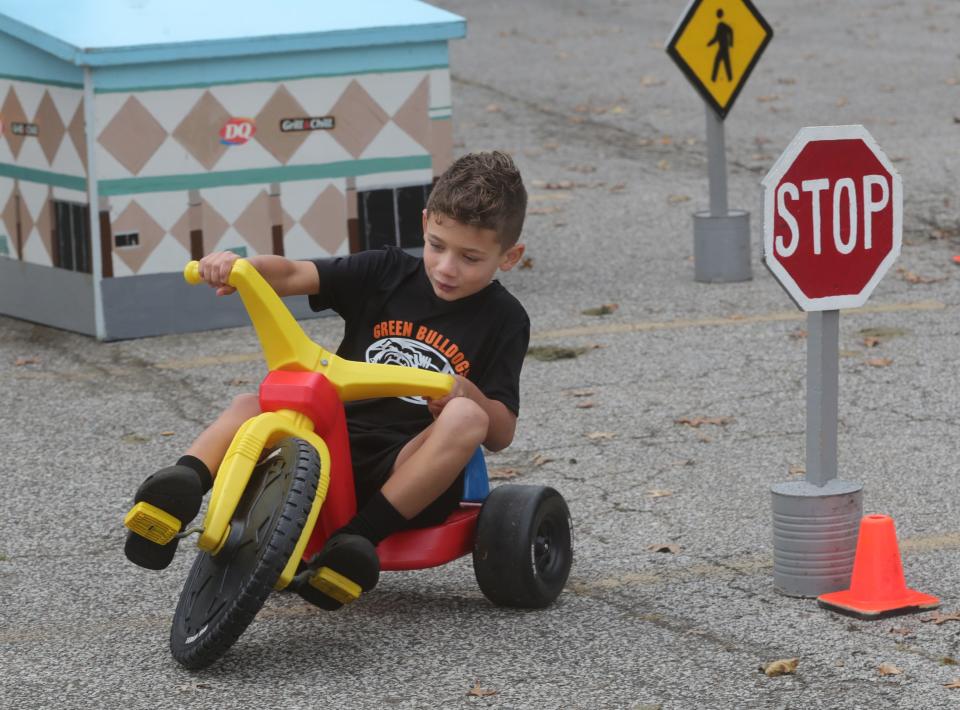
723,38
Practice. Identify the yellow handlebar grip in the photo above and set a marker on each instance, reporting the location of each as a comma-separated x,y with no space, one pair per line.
191,273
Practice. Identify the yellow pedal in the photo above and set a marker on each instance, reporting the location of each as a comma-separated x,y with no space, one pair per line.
152,523
335,585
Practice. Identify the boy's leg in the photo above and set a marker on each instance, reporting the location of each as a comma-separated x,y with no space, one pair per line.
425,467
179,489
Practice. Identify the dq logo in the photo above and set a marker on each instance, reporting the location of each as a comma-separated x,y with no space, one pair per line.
237,131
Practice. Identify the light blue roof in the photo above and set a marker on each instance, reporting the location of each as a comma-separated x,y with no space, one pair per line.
111,32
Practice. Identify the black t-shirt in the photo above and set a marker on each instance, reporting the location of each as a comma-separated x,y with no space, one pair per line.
392,316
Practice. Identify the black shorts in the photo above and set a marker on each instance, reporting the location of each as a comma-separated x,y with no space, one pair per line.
372,468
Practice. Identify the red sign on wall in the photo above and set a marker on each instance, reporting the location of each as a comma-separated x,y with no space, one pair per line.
237,131
832,217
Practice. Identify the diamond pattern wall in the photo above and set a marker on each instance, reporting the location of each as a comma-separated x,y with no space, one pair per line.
132,135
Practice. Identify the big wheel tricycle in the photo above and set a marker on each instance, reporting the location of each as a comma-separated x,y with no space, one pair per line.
286,484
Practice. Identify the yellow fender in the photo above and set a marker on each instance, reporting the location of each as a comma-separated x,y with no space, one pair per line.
257,434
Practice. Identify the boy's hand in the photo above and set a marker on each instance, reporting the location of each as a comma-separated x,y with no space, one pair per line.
460,389
215,270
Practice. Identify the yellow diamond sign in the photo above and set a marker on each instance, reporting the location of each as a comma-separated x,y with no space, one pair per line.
716,44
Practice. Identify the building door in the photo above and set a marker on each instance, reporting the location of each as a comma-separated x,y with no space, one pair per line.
392,216
72,235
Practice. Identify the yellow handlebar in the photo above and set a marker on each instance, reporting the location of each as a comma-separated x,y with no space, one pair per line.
287,347
191,273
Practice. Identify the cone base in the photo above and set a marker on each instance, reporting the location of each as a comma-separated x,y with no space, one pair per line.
845,603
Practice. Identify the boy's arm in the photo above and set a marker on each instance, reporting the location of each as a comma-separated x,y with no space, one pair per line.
285,276
503,422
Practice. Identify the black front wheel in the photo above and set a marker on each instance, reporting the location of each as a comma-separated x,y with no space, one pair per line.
524,546
225,591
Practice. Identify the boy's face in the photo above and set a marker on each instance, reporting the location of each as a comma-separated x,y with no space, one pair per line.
461,260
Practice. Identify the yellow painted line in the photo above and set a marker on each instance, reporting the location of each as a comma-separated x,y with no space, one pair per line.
729,568
774,317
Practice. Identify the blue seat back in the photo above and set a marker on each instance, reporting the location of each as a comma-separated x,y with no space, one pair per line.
476,484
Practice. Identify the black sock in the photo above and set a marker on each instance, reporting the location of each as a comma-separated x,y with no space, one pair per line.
195,464
377,520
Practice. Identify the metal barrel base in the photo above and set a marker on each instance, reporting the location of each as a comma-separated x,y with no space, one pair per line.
721,247
815,536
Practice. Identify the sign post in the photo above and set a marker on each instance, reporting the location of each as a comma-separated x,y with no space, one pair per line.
832,227
716,44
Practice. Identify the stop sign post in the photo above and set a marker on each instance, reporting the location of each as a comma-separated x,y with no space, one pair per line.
832,224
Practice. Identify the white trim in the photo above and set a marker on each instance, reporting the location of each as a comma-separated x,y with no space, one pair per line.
804,136
93,200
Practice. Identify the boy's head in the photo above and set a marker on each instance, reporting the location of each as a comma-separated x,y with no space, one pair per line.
472,224
483,190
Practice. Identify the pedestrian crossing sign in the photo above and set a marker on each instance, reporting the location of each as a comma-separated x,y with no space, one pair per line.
716,44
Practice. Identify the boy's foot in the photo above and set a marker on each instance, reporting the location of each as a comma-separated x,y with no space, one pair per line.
176,490
346,566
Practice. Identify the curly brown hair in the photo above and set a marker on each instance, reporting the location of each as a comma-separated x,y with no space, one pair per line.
483,190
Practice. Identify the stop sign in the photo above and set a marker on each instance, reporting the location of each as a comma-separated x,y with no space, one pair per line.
832,217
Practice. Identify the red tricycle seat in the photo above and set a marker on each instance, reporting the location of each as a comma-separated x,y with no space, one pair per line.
430,547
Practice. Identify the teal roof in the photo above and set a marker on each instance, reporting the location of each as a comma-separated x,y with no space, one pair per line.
113,32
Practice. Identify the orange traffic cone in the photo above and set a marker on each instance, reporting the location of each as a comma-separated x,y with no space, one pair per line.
877,587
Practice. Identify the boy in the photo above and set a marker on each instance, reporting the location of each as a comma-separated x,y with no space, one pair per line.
442,311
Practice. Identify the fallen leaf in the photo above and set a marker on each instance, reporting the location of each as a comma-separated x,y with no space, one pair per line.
166,433
677,199
659,493
842,101
618,187
551,146
665,547
477,692
502,474
663,164
604,310
886,669
788,81
238,381
617,110
948,661
648,80
540,460
796,470
696,422
879,361
871,342
585,405
135,439
493,108
600,435
883,334
955,683
938,617
582,168
913,278
785,666
798,334
549,353
901,630
666,140
767,98
581,393
559,185
21,361
527,263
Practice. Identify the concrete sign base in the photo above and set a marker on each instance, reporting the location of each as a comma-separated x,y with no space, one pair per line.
815,536
721,247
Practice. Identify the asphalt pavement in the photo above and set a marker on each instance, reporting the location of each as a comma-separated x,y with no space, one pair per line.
681,407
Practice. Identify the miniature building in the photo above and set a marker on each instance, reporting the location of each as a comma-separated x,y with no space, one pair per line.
297,128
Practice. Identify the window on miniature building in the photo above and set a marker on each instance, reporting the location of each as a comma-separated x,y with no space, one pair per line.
392,216
72,235
126,239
